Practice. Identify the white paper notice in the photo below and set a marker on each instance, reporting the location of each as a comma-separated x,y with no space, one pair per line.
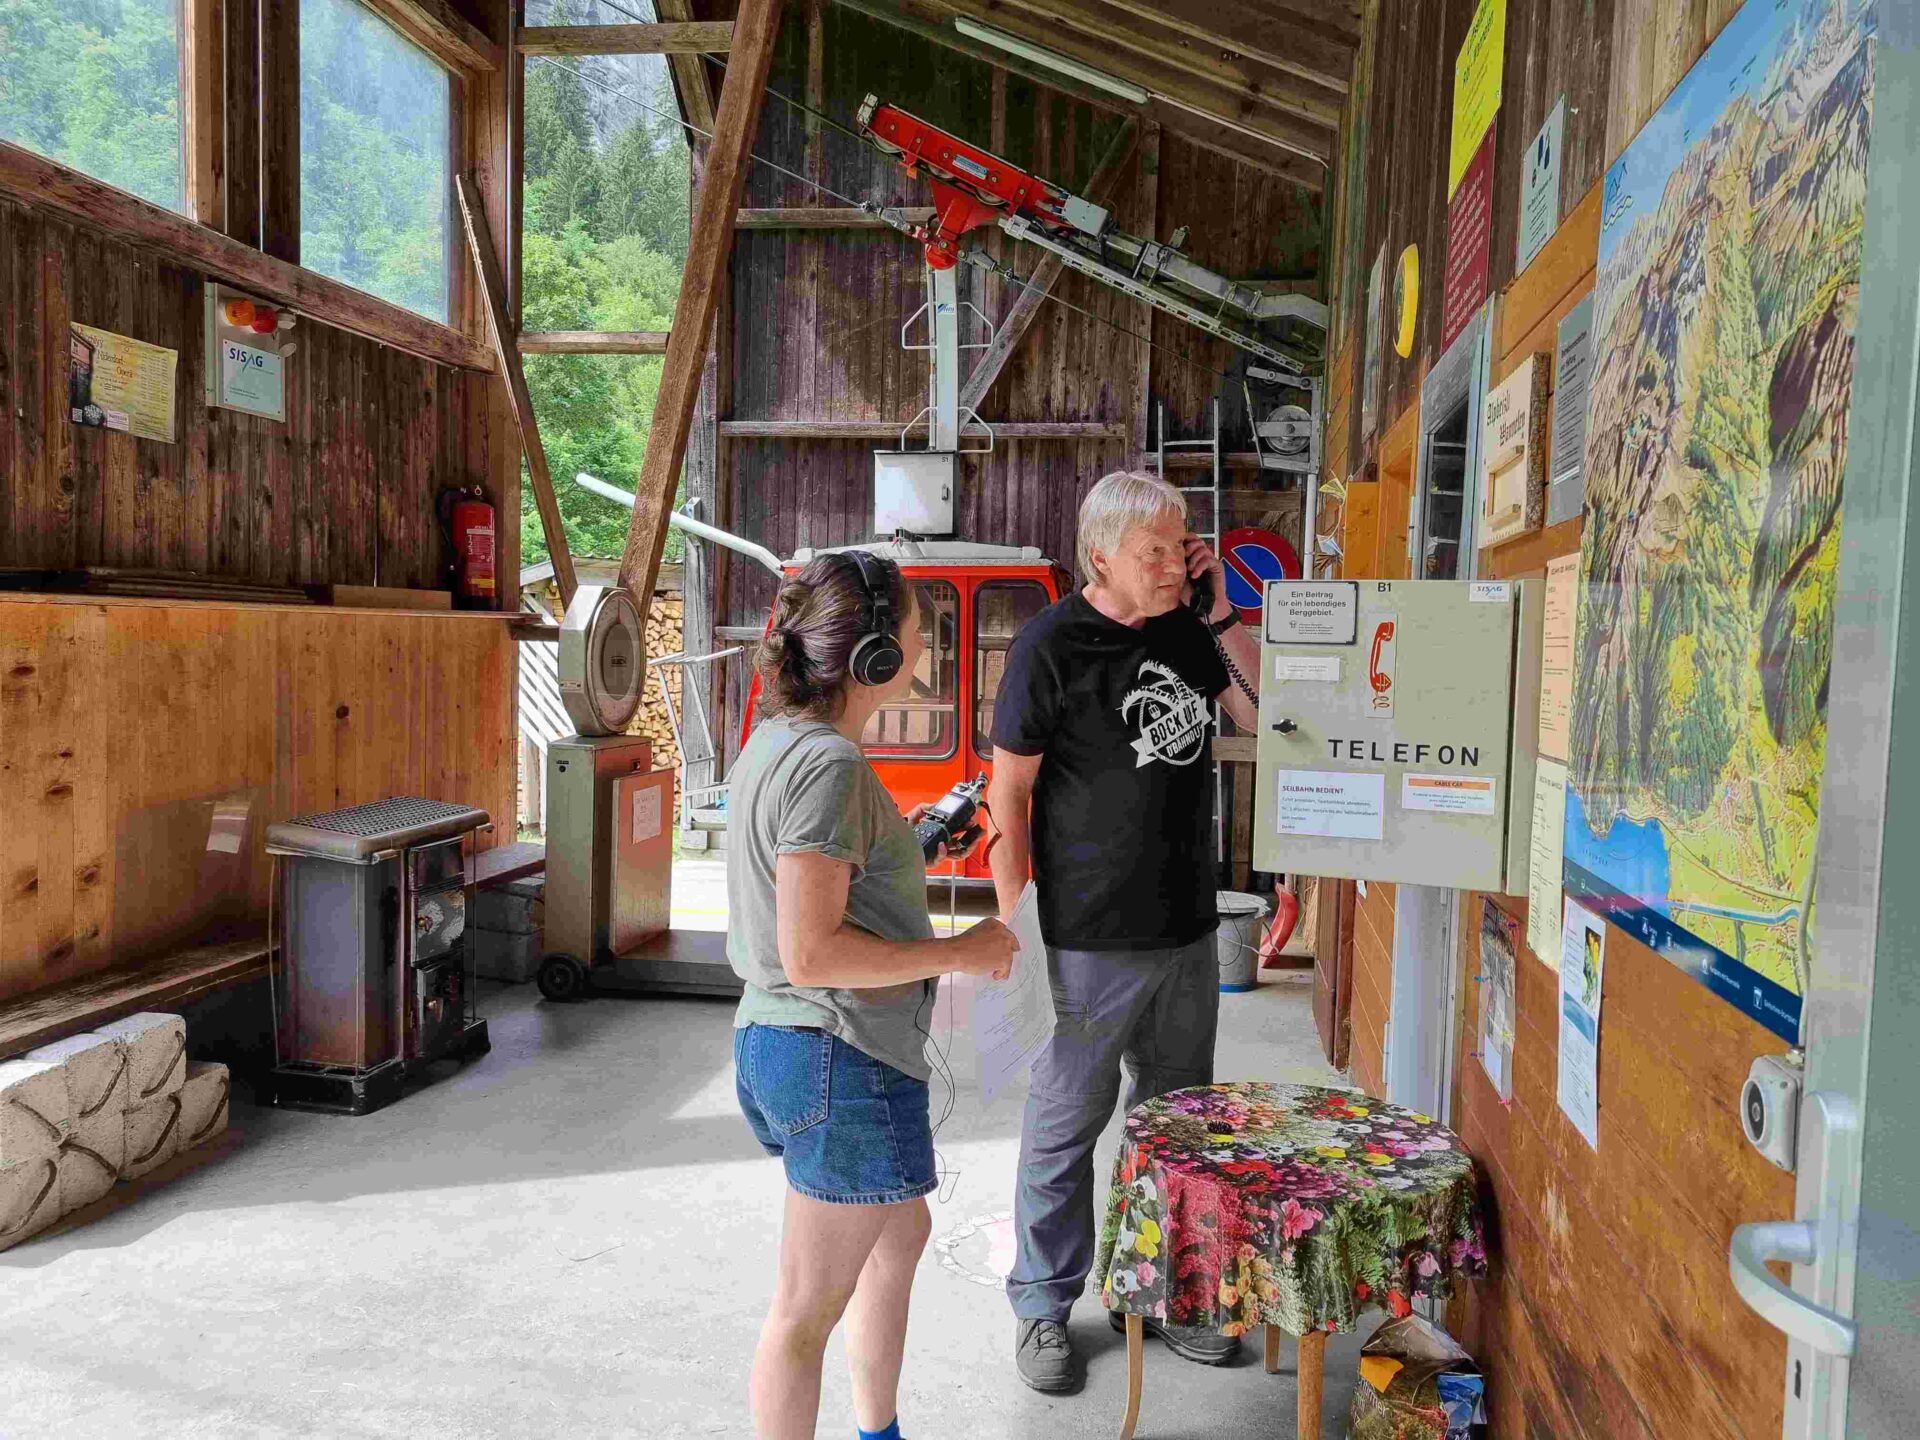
1582,957
1304,612
1556,658
1448,794
1013,1018
1544,864
646,813
1333,803
1309,667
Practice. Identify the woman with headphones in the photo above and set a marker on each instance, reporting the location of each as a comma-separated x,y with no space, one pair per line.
828,927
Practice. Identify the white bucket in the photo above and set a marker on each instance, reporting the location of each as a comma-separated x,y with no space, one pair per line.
1242,918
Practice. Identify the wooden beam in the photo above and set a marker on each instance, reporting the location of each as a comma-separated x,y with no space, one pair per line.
890,430
1247,149
1341,18
722,177
203,101
1210,97
701,37
1149,222
280,129
1324,59
593,342
1255,81
443,32
1012,329
691,81
240,123
493,300
816,83
825,217
43,185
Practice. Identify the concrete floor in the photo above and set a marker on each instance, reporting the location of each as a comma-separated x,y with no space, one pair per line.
571,1236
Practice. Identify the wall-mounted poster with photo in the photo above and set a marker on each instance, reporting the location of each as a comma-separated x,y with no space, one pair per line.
1722,368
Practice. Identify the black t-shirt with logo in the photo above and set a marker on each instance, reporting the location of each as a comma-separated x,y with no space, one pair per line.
1123,804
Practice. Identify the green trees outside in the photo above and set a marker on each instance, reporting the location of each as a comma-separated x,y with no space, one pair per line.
604,241
95,84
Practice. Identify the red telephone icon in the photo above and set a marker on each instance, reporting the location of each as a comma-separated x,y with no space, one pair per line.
1382,634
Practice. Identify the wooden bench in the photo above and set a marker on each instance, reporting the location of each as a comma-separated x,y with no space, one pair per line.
43,1016
505,863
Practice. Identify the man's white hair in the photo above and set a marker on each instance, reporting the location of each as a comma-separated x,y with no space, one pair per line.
1115,505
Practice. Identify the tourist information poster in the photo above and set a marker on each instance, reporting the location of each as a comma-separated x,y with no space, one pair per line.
1723,360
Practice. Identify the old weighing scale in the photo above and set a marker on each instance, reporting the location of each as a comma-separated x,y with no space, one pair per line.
610,827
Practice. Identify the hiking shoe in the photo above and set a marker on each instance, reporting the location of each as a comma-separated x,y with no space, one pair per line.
1044,1355
1189,1342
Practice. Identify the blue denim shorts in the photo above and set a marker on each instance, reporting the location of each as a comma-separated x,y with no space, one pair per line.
851,1129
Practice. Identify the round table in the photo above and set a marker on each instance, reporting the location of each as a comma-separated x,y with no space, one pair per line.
1285,1206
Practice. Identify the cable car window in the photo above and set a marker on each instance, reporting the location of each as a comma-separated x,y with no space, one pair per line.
1000,608
925,724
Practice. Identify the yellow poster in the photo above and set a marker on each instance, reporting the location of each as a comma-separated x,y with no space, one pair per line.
117,383
1476,86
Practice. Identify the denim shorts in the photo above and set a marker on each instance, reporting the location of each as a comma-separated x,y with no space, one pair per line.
851,1129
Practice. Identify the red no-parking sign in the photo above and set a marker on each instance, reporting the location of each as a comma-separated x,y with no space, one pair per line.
1252,557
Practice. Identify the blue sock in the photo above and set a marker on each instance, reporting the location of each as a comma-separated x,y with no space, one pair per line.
892,1432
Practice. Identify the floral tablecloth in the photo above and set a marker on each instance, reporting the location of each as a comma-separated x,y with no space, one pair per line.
1240,1205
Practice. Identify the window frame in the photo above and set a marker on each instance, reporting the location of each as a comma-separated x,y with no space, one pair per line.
982,735
930,753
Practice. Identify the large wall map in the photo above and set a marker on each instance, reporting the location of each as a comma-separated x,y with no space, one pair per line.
1724,317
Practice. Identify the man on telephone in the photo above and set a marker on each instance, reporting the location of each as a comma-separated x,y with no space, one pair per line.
1103,794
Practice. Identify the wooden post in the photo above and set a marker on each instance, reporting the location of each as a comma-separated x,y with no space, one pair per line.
1310,1371
493,295
723,173
1136,1364
1027,304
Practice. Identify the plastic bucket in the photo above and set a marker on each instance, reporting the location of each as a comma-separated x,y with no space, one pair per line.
1238,939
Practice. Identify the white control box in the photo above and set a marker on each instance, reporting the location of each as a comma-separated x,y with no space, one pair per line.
1398,729
913,491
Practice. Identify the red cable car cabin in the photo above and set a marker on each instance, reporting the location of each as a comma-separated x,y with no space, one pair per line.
972,600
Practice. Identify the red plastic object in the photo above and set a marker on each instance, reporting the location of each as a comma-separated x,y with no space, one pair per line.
265,319
971,186
1286,915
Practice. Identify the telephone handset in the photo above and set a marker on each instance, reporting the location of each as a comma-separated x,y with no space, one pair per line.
1202,606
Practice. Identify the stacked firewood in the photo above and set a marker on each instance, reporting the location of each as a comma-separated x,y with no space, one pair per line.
664,621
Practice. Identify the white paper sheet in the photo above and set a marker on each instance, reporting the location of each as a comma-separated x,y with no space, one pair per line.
1331,802
1582,962
1013,1018
1545,863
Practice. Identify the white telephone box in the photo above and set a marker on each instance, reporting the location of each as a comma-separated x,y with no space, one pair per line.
1398,722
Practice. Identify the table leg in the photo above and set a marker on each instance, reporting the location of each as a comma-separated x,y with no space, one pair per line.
1136,1362
1273,1349
1312,1361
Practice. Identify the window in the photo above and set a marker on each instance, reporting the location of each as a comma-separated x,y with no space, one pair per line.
375,146
1000,608
924,726
95,84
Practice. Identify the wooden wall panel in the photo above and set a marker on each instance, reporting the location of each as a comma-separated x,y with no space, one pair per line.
342,492
123,724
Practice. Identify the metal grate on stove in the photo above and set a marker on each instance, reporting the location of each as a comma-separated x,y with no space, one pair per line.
379,818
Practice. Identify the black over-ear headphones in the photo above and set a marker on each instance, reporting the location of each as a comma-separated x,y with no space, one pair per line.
877,656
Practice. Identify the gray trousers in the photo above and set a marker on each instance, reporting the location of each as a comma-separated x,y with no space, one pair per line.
1156,1009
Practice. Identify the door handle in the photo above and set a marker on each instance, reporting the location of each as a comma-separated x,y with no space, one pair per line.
1793,1314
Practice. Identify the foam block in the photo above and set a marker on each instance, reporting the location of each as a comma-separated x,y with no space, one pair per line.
156,1054
203,1104
96,1073
29,1199
92,1159
153,1136
35,1111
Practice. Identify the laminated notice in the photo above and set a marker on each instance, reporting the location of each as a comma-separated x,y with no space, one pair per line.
1448,794
1332,803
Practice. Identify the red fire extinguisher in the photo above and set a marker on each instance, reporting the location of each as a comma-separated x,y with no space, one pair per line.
466,517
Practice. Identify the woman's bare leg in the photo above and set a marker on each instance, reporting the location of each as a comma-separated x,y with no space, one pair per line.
823,1250
877,1316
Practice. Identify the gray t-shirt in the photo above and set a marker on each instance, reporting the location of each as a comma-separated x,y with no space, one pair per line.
800,787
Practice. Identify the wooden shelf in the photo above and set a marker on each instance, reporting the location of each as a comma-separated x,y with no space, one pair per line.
890,430
43,1016
161,602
